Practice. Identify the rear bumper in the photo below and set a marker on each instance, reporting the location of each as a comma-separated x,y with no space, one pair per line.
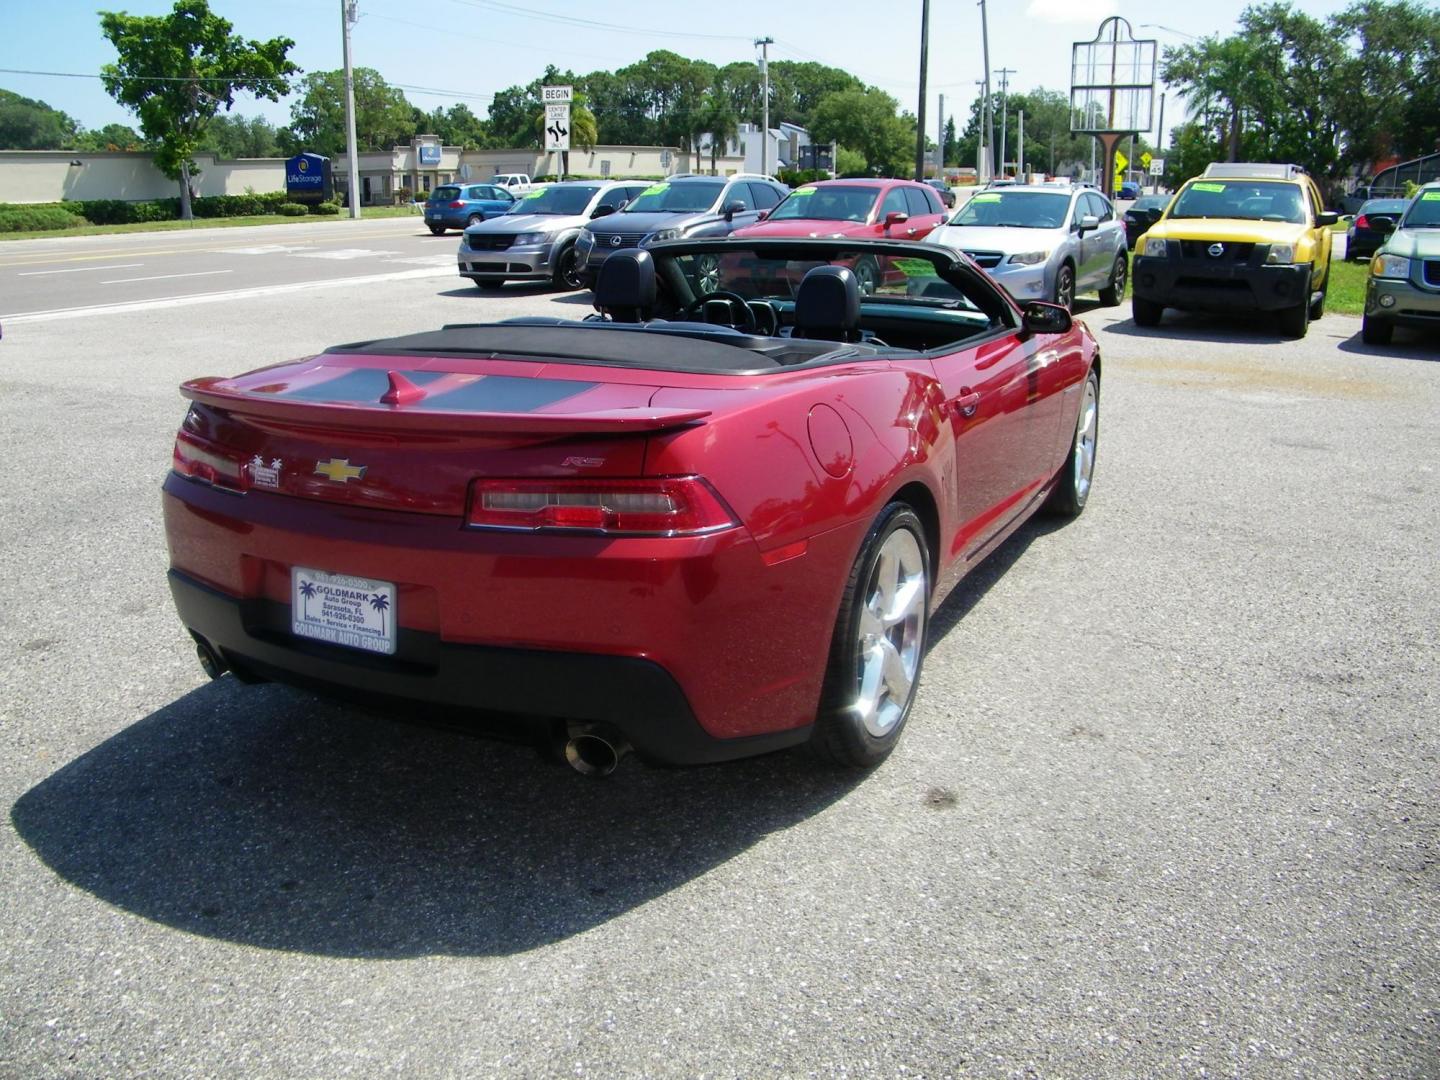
694,648
636,697
1200,285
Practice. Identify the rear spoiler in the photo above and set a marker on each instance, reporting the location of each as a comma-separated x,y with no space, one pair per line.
399,417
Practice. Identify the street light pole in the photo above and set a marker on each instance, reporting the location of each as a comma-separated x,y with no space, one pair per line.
765,44
1004,74
987,124
347,20
982,159
920,112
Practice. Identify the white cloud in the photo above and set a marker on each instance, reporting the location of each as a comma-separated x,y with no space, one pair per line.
1071,11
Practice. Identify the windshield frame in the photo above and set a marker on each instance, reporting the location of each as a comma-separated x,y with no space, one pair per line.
1174,212
715,186
1416,203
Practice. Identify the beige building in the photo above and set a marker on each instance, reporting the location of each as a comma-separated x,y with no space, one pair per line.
43,176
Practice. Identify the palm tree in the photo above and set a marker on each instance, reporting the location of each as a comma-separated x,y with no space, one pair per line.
307,590
717,116
584,132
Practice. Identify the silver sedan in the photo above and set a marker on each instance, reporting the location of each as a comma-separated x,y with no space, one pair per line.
1043,242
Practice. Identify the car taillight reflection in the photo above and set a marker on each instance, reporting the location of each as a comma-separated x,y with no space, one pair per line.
457,205
199,459
664,506
1362,222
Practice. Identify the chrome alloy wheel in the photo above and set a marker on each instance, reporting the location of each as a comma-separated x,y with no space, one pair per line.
892,633
1086,431
707,274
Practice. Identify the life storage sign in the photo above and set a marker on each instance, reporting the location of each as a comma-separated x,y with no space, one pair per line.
307,178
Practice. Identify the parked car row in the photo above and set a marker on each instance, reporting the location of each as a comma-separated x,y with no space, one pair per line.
1404,284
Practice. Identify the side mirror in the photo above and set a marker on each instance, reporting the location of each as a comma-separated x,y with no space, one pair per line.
762,215
1325,220
733,208
1384,225
603,210
896,217
1155,213
1088,222
1041,318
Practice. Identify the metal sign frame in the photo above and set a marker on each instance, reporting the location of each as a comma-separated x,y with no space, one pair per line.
1112,81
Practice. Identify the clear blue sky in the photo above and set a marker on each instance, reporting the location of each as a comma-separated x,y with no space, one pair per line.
476,47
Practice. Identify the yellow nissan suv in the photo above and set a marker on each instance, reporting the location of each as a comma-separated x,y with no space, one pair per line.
1242,237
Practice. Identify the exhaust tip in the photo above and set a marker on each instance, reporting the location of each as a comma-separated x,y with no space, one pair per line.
210,661
591,755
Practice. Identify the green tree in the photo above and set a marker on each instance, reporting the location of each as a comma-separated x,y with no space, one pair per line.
582,129
112,137
717,117
864,120
240,136
26,124
456,126
383,117
177,71
1387,93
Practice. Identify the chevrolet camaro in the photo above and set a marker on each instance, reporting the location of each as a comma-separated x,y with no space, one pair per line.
710,520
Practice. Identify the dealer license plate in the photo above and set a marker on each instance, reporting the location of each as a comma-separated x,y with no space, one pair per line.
343,610
433,217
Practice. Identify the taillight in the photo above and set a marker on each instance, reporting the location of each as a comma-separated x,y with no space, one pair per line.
457,205
200,460
664,506
1362,222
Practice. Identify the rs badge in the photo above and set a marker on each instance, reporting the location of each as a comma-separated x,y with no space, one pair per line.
339,469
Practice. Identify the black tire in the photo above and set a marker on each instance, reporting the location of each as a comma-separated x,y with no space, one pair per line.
1317,304
1072,483
1146,312
1295,321
1114,293
867,276
489,284
567,269
1375,331
841,735
437,230
474,219
1065,287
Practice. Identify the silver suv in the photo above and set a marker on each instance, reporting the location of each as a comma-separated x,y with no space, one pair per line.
535,240
1043,242
684,206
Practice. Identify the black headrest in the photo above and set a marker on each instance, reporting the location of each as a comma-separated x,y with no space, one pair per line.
827,304
625,286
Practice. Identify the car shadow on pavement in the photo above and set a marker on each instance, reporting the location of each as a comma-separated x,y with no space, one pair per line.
269,817
1198,326
992,568
1407,344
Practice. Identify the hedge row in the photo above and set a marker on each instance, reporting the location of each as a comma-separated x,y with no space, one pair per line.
30,217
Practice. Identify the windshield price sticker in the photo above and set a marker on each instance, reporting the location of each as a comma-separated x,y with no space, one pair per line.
532,194
915,267
1430,196
986,197
799,191
656,189
1216,188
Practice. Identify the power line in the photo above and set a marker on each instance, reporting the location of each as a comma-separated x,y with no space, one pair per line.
590,24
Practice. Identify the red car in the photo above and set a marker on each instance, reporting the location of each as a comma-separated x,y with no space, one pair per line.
888,209
709,522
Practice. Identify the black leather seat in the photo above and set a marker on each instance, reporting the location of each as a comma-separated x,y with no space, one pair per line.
625,286
827,305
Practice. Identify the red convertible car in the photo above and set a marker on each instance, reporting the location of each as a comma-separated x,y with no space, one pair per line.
710,521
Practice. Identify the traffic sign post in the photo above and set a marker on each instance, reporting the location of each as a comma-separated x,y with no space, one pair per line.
1157,166
557,101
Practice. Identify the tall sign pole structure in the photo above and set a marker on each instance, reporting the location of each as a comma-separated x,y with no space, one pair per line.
987,122
982,172
347,20
920,113
1112,89
940,141
1004,74
764,45
557,100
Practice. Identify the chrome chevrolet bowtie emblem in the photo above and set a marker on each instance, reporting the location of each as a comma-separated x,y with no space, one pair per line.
1216,250
615,240
339,469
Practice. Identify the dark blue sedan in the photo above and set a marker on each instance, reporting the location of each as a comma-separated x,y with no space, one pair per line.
454,206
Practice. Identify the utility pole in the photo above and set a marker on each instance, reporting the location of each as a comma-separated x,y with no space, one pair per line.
1004,74
920,113
982,153
347,20
940,141
764,44
1020,149
1160,132
987,126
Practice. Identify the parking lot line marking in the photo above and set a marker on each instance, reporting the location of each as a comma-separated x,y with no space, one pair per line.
185,299
79,270
161,277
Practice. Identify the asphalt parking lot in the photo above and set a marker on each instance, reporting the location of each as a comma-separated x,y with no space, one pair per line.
1167,805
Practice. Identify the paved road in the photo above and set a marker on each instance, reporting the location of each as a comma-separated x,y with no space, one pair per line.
42,279
1167,805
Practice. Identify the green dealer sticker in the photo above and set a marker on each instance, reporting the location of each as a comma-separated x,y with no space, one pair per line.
985,198
799,191
656,189
1430,196
532,194
1216,188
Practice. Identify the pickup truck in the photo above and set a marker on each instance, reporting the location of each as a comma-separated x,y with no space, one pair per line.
515,183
